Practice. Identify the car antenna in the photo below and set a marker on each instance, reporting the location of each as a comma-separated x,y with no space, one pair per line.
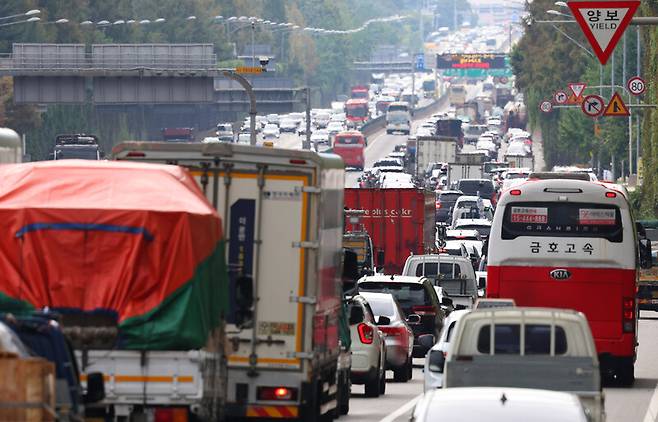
392,277
503,399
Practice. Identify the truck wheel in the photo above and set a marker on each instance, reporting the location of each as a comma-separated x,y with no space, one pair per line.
626,374
372,386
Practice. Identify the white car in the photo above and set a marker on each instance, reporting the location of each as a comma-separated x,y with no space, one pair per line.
469,238
499,404
483,226
368,348
335,127
288,125
320,137
271,131
517,148
399,336
513,177
436,357
244,138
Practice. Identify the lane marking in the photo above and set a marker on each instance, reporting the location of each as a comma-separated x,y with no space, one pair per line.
652,411
402,410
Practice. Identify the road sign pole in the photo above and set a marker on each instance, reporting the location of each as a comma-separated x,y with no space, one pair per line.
638,46
252,101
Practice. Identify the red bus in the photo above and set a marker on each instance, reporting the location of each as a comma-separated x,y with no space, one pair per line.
351,146
357,111
360,92
571,244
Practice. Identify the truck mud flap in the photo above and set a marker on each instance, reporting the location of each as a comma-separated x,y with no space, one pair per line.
260,411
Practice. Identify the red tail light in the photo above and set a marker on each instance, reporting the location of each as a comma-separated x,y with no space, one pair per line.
515,192
170,414
423,310
393,331
628,314
136,154
276,393
610,195
366,333
438,205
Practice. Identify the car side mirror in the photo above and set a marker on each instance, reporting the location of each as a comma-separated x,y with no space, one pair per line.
381,257
485,247
383,320
356,315
446,301
350,265
426,340
645,253
95,388
436,361
482,282
413,319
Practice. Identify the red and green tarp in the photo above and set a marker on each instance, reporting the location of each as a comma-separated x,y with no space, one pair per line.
140,240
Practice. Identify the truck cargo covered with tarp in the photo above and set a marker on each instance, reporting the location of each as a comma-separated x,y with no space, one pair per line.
138,240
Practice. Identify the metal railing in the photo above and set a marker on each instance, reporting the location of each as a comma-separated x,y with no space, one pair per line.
107,62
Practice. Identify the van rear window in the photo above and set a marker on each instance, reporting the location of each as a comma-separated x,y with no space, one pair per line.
562,220
507,339
408,294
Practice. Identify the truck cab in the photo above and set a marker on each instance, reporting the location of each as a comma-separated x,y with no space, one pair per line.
76,146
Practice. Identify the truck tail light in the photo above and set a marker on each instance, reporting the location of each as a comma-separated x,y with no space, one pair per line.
276,393
136,154
423,310
366,333
628,315
170,414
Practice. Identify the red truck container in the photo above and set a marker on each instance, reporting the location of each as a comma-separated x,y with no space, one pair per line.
360,92
399,221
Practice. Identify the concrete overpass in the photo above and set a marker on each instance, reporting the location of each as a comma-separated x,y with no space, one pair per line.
167,84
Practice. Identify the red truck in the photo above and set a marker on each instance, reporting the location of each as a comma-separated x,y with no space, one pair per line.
400,222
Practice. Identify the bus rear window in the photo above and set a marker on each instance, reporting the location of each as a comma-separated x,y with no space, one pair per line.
348,140
562,220
395,107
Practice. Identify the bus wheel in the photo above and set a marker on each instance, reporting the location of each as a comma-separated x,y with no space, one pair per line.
626,374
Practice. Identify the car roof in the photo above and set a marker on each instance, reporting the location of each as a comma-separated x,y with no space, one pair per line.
468,198
461,232
473,222
505,403
377,295
393,279
438,258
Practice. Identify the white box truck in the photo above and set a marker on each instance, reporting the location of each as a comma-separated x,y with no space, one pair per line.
434,149
283,217
520,161
458,171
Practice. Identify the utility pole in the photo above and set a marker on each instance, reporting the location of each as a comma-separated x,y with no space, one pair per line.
637,72
307,142
252,101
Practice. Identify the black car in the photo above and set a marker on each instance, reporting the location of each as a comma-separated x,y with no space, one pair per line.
416,296
484,188
445,200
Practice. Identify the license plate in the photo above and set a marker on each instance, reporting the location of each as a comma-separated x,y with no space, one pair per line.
654,301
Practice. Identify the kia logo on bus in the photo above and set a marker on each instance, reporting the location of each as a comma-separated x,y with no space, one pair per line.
560,274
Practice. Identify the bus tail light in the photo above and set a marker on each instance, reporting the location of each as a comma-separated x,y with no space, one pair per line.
628,315
515,192
366,333
170,414
610,195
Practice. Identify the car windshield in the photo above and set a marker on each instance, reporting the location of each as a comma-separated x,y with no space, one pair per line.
72,152
483,230
408,294
381,306
473,187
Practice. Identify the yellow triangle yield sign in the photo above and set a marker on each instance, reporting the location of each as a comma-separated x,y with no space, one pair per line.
616,107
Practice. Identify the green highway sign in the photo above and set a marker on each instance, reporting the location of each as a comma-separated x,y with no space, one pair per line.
477,73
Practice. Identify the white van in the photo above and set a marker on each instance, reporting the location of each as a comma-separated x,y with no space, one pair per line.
398,118
542,348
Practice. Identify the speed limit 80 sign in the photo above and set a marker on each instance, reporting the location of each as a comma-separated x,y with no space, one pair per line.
636,85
